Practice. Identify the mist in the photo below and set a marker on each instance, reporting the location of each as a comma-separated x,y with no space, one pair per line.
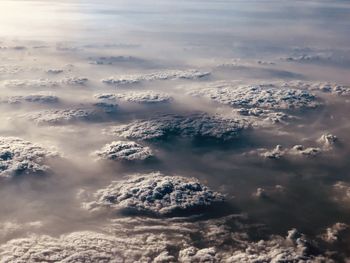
174,131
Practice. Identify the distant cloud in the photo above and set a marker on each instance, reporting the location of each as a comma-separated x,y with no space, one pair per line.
124,151
162,75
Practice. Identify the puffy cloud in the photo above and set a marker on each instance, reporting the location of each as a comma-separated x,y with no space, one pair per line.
54,71
55,117
97,111
260,96
195,125
155,194
341,191
142,239
334,233
74,247
144,97
44,83
110,60
22,157
325,87
294,248
327,142
297,150
124,151
34,98
163,75
269,116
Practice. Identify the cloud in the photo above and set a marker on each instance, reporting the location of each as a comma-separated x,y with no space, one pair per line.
57,117
260,96
44,83
162,75
326,142
34,98
54,71
142,97
267,116
22,157
335,232
111,60
195,125
96,112
155,194
294,248
325,87
10,229
124,151
140,239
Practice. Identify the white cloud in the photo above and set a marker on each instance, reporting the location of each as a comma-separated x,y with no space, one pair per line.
155,194
22,157
260,96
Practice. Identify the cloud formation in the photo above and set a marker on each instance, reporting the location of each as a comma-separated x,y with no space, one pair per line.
19,157
155,194
196,125
124,151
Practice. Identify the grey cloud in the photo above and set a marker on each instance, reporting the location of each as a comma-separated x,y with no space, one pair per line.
155,194
124,151
163,75
196,125
34,98
22,157
142,97
261,96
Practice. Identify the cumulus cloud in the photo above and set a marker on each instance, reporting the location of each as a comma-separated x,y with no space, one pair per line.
124,151
325,87
142,97
110,60
266,115
260,96
55,117
163,75
153,240
44,83
22,157
334,232
96,112
326,142
155,194
196,125
34,98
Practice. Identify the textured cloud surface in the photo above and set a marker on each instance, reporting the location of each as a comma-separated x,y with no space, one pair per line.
155,194
198,125
257,96
191,131
21,157
128,151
